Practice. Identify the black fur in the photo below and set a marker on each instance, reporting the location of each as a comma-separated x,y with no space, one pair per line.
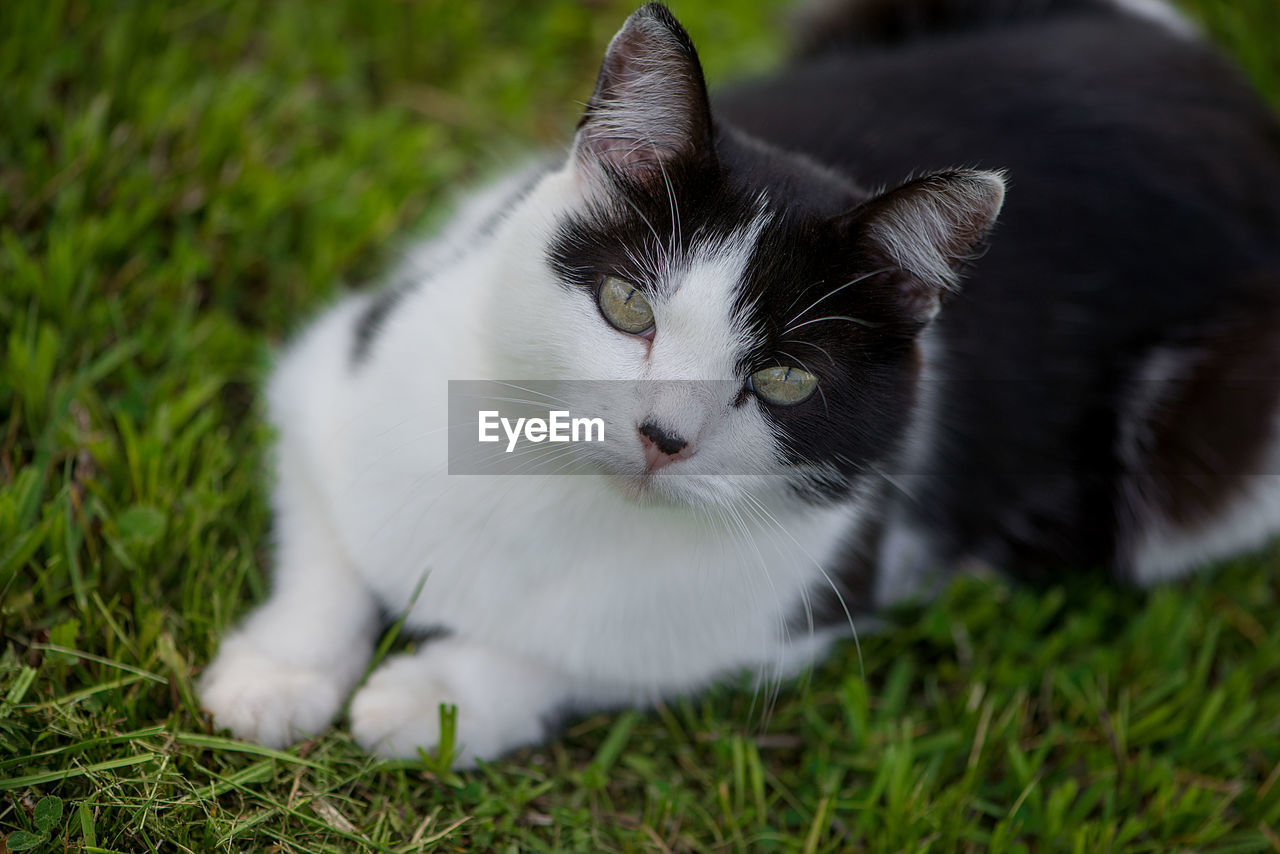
371,321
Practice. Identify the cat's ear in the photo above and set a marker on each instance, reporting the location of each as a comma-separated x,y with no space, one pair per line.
650,103
927,229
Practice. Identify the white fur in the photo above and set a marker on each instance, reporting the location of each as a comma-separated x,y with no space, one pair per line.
1167,551
933,226
641,114
398,710
1156,548
285,672
581,590
1159,12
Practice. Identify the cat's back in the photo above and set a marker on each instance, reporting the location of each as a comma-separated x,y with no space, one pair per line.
1137,258
1124,139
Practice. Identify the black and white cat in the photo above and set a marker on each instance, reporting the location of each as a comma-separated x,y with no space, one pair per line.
808,436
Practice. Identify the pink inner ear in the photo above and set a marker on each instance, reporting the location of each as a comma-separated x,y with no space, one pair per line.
932,225
650,103
633,157
639,161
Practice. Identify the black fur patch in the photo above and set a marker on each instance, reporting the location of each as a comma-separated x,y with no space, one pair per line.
371,320
383,304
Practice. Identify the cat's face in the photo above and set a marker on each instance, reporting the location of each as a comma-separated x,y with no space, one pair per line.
754,315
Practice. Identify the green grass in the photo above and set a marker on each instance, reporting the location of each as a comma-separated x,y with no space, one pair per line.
180,187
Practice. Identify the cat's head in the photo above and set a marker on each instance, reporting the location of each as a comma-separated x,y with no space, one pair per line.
770,308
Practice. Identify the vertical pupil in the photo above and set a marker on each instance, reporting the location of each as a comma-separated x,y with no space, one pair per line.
630,294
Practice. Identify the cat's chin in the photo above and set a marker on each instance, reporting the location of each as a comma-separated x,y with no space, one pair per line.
650,488
684,491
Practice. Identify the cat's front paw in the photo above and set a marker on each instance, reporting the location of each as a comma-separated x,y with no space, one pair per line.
398,710
262,699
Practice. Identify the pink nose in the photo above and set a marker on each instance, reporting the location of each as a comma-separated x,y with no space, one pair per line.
661,447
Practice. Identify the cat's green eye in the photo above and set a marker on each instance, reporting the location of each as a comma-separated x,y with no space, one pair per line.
783,386
622,305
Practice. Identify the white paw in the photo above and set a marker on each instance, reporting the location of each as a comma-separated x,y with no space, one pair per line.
272,702
398,711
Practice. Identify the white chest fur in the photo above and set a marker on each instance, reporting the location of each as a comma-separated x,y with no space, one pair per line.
639,600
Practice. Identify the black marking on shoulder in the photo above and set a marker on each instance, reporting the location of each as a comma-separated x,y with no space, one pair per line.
371,321
380,307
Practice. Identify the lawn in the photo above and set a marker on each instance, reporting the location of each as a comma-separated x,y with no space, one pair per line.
181,186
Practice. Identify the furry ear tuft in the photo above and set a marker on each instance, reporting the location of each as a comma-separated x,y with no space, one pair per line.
928,228
650,102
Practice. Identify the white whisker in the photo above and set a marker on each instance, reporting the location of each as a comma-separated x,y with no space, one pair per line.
830,294
858,320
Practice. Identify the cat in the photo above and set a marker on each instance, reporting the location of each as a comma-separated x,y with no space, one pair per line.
837,365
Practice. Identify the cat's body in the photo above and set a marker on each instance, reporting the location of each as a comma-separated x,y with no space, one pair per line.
1096,395
1141,235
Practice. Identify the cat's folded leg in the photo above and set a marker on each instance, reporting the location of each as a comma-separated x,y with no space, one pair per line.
286,671
503,701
